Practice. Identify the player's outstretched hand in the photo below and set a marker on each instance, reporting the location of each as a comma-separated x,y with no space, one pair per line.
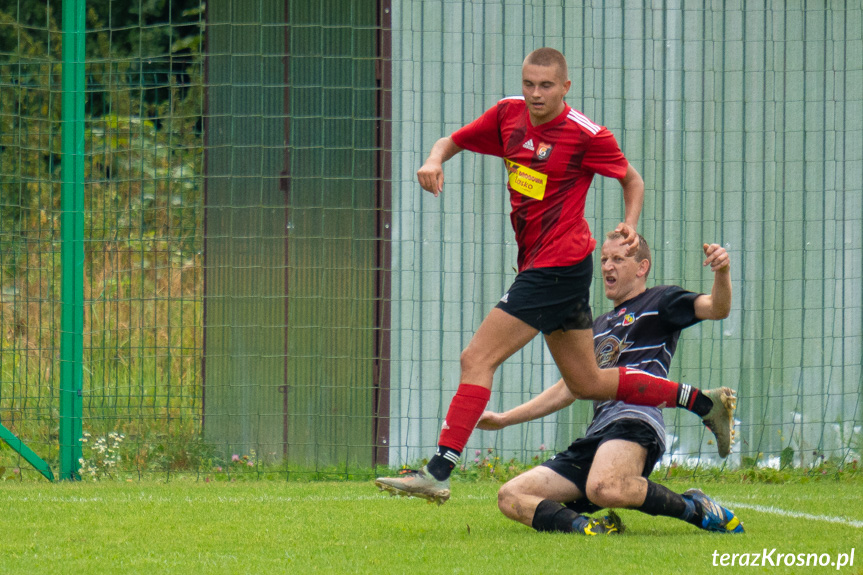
630,237
490,421
717,258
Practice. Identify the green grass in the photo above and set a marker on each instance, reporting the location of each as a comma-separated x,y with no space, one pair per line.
349,527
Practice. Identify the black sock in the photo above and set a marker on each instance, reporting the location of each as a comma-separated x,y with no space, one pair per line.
692,399
443,462
552,516
660,500
702,404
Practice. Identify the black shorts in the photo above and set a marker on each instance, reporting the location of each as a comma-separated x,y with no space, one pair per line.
574,463
549,299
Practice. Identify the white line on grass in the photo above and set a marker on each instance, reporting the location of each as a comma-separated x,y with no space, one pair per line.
796,514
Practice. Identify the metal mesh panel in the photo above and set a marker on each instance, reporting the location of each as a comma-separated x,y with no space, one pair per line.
257,253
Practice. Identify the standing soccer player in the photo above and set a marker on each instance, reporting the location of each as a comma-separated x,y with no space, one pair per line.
551,153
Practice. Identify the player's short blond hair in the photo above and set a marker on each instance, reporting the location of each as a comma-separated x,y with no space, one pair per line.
549,57
643,251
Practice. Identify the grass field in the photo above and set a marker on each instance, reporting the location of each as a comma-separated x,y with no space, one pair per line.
263,527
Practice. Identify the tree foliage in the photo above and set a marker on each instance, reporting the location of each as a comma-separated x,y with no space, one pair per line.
143,169
144,94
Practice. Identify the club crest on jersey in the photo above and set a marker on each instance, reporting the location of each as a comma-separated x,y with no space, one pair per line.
628,319
543,151
609,349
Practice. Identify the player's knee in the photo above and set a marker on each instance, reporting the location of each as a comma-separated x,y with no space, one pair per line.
464,358
507,498
504,496
468,359
576,388
605,492
589,382
473,363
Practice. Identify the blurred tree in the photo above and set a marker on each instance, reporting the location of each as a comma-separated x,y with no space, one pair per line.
143,83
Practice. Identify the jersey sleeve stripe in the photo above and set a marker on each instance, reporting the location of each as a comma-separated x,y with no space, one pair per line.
582,121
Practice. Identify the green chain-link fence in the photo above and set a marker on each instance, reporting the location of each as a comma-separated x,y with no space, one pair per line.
251,280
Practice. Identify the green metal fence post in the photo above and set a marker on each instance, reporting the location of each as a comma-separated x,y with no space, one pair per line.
72,170
28,454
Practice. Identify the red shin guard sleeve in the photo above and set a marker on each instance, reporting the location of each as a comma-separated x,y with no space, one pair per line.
641,388
465,410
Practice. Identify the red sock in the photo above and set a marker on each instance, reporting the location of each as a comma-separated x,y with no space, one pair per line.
465,410
641,388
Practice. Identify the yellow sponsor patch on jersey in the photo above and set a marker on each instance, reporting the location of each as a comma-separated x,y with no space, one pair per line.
526,181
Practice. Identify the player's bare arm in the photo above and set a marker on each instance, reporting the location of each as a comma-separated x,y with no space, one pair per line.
633,200
549,401
430,175
716,305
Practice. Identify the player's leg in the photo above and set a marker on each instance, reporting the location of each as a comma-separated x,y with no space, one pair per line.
619,478
623,462
551,497
693,506
615,479
499,336
574,355
519,497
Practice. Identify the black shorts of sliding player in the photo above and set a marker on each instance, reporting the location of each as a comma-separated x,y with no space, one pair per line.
549,299
574,463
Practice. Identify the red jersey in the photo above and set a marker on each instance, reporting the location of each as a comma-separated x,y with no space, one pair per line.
550,168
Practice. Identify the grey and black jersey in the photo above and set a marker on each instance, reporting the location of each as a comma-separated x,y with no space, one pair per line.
641,333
